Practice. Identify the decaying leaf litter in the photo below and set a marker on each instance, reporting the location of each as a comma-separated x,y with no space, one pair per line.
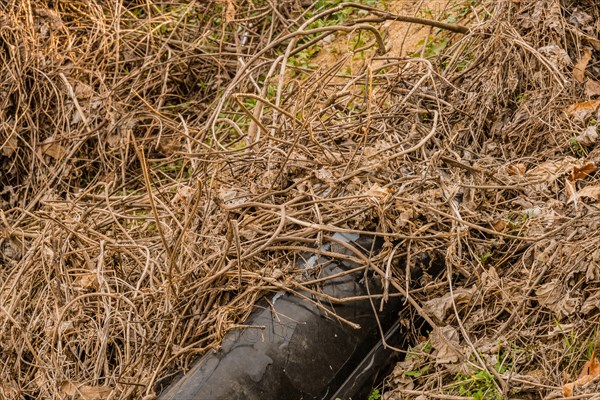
163,166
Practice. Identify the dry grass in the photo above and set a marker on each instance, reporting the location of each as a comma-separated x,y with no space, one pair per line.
161,170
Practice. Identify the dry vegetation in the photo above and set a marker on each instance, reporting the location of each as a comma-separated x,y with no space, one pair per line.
164,163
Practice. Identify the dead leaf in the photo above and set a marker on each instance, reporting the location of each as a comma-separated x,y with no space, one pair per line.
87,281
571,189
445,341
592,303
407,213
232,197
550,171
94,392
583,172
579,69
517,169
588,137
594,42
324,175
581,19
578,173
184,193
490,278
592,88
53,148
549,293
86,392
581,110
440,306
556,55
591,369
592,192
83,91
552,296
499,226
378,194
9,146
68,388
416,358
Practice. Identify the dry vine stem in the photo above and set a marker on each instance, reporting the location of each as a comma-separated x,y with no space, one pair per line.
135,238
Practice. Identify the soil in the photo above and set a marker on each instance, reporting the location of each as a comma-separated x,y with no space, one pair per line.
407,38
403,38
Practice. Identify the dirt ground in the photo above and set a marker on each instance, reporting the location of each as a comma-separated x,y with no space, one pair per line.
163,164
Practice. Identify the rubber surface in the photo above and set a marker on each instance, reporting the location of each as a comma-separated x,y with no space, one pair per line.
295,351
